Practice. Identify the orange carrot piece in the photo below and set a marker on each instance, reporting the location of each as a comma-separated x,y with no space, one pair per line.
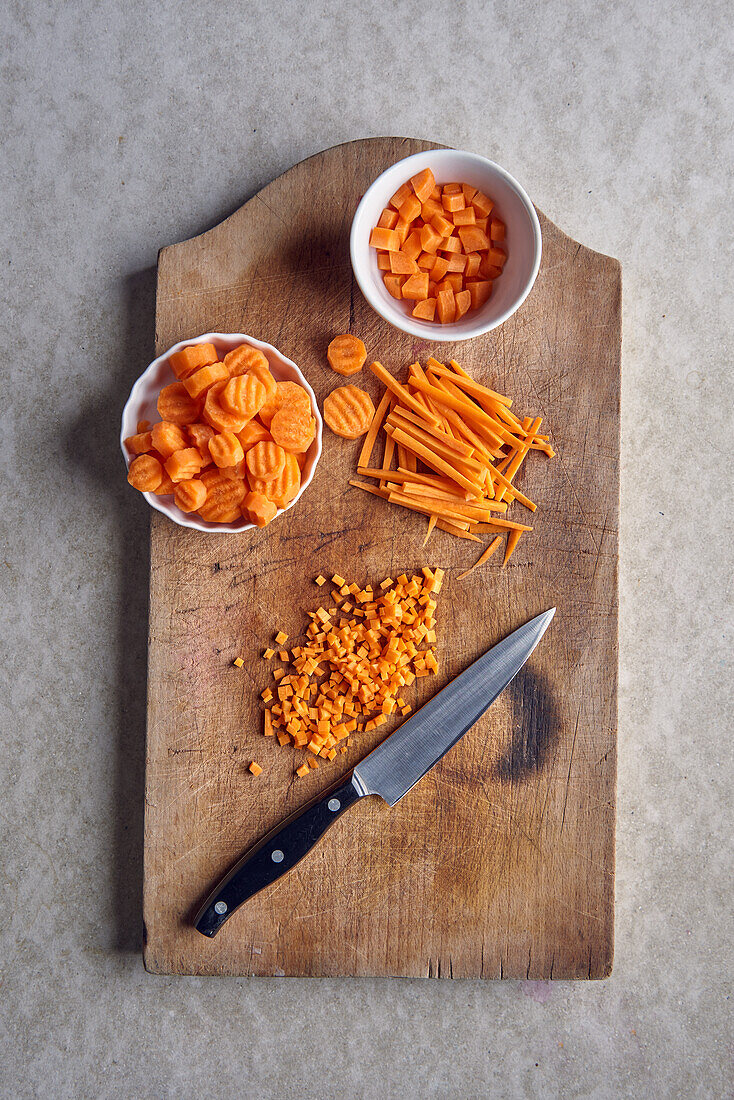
453,202
401,195
385,238
496,230
452,529
347,353
255,768
463,303
415,287
423,184
425,310
512,540
412,245
465,216
480,292
388,219
430,239
472,238
394,284
410,209
383,261
442,225
400,264
483,557
482,204
439,269
446,306
369,440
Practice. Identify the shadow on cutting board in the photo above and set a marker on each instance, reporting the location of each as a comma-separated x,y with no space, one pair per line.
91,444
535,726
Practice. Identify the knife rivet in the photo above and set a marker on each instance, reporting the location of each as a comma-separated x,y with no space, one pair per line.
334,804
277,856
220,907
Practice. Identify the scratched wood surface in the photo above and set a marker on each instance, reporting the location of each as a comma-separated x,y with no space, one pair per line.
500,863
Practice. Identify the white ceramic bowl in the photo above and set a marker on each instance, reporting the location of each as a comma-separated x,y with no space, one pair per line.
141,405
512,205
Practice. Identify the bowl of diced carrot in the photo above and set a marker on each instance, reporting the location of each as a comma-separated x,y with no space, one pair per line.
445,245
221,433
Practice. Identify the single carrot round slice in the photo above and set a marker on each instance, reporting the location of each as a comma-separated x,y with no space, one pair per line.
224,496
199,382
226,449
145,473
184,362
346,354
265,460
286,393
283,488
292,430
176,405
244,395
190,495
219,418
168,438
200,434
348,411
252,433
259,509
140,443
183,465
242,359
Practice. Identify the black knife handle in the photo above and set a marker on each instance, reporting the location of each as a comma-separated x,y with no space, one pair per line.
271,857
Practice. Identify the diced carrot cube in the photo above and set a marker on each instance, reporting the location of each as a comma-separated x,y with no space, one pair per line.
446,307
439,269
442,225
281,637
388,219
423,184
411,208
453,201
451,188
416,287
456,261
482,204
255,768
400,264
496,229
431,208
402,228
412,244
497,257
401,195
394,284
425,310
463,303
303,770
480,292
465,216
469,191
385,238
493,272
432,288
473,239
455,280
473,261
450,244
430,239
483,224
383,261
426,260
436,193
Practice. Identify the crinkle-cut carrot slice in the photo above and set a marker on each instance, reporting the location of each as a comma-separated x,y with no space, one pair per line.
415,287
242,359
430,239
145,473
472,238
446,306
168,437
401,195
177,406
259,509
347,353
265,460
479,291
216,416
283,488
252,433
286,393
226,449
423,184
394,284
383,261
243,395
189,359
224,496
410,209
183,465
412,245
348,411
463,303
425,310
238,472
400,264
388,218
291,430
473,260
496,229
199,382
140,443
199,435
388,239
190,495
482,204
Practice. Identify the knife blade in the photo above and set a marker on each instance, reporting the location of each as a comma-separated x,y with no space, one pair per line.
390,771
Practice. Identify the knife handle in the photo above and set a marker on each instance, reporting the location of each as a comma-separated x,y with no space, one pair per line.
275,854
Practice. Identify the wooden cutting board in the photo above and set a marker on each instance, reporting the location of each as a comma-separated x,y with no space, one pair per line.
500,863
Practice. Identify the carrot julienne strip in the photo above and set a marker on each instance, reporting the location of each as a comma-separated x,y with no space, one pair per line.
369,440
482,558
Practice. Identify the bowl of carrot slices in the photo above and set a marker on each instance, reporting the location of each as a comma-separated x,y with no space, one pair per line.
445,245
221,433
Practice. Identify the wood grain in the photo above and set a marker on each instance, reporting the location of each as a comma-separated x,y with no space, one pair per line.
500,863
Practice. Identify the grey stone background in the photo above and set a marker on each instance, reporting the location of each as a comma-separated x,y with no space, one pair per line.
130,126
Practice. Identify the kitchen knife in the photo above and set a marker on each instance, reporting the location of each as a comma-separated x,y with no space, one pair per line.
390,771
